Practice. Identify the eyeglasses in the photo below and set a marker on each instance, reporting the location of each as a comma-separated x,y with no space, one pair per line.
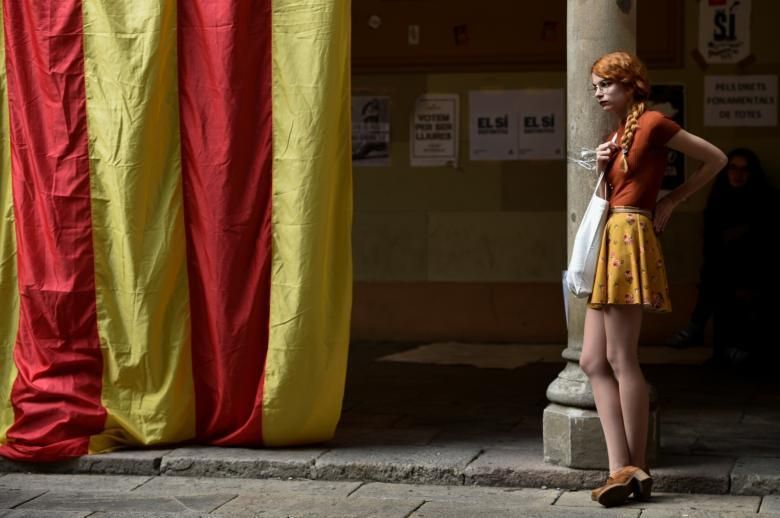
735,167
602,85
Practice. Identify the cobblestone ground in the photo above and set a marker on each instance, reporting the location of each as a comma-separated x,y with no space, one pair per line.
35,495
427,439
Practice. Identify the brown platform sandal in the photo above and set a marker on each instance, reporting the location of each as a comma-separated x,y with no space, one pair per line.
618,487
643,485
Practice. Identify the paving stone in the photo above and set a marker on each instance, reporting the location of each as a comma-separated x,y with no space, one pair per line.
205,503
692,474
719,415
743,429
409,464
482,439
82,501
311,506
368,419
29,513
10,466
676,445
129,462
353,436
459,419
10,497
130,514
677,439
195,485
530,426
526,468
670,501
240,462
756,476
688,513
739,442
109,483
768,415
459,510
511,497
770,504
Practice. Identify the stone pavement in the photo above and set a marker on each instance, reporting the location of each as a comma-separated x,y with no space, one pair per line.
35,495
456,426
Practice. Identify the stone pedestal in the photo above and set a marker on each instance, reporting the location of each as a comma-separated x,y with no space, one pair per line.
573,437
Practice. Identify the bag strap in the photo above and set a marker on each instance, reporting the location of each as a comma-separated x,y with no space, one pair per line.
598,184
603,173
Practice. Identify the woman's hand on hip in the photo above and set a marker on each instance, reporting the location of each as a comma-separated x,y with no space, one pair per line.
663,212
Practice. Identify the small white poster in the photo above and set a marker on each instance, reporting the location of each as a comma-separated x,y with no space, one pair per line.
740,100
433,133
493,124
542,124
370,130
516,124
724,30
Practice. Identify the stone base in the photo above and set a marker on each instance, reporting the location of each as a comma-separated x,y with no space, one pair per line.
573,437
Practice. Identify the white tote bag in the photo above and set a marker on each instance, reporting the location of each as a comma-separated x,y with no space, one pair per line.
587,242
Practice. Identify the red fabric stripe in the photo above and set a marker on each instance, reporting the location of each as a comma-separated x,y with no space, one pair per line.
56,396
225,103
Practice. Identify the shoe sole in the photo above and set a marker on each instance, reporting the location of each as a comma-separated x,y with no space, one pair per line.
615,494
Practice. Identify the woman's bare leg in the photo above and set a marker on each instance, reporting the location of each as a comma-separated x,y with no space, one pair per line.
593,361
622,324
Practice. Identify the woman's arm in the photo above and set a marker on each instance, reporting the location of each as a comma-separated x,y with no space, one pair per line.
712,161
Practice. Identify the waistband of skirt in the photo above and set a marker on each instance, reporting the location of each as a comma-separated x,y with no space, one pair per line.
628,209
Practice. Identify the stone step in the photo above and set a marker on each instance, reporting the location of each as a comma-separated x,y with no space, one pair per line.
459,463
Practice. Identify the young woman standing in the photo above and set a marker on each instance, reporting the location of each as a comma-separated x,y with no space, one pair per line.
630,276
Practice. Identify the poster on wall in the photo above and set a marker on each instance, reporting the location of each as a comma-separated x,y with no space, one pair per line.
433,133
370,130
542,117
516,124
724,30
493,124
740,101
670,100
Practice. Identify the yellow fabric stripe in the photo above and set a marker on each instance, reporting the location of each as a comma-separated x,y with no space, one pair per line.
311,273
140,269
9,286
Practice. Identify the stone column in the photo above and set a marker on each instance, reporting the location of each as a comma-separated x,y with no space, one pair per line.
572,431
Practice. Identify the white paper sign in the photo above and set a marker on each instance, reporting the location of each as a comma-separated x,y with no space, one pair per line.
740,100
724,30
493,124
542,125
516,124
370,130
433,133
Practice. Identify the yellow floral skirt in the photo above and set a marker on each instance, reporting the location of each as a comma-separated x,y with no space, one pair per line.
630,268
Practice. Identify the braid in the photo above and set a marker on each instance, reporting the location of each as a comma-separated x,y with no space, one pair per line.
628,134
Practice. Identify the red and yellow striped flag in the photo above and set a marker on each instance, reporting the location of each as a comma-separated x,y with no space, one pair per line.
175,212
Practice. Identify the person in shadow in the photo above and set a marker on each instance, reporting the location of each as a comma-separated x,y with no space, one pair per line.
737,286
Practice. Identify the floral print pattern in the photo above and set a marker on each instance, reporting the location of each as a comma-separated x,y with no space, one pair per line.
630,268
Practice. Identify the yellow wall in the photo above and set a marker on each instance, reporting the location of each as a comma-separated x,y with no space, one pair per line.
487,224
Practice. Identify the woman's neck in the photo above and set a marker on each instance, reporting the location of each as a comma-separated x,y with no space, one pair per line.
622,114
621,121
